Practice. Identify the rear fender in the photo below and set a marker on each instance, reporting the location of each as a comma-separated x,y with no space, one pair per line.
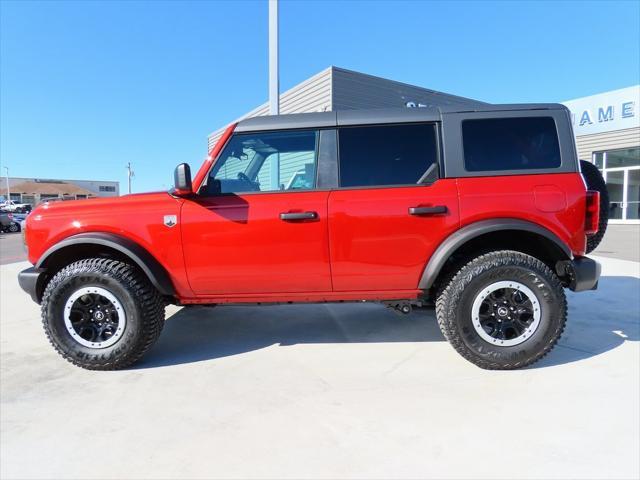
459,238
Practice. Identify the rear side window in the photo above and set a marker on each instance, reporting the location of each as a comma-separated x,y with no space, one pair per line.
386,155
510,144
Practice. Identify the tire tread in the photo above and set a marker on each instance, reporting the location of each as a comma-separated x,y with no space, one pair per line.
150,303
450,293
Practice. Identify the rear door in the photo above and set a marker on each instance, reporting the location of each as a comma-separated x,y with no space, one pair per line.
390,211
259,225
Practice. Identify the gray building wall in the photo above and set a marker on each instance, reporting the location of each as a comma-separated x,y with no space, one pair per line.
587,145
341,89
312,95
99,187
357,91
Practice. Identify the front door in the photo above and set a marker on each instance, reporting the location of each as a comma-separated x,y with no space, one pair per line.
390,212
258,225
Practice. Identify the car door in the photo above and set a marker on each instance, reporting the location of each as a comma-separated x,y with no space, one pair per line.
259,225
391,211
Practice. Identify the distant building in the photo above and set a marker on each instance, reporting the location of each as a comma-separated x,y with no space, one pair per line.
607,129
37,190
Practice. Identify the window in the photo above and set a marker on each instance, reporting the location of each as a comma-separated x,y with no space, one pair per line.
627,157
386,155
621,170
510,144
265,162
107,188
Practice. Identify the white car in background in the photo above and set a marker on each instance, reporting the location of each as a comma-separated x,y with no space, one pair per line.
11,206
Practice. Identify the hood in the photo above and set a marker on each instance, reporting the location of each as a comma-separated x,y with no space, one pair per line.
116,204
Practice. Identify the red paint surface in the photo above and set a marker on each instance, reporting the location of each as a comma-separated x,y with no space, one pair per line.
136,217
484,198
238,244
376,245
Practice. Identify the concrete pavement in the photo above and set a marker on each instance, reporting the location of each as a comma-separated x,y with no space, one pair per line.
11,248
621,241
325,391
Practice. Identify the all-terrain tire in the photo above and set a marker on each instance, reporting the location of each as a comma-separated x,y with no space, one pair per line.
595,181
141,302
455,301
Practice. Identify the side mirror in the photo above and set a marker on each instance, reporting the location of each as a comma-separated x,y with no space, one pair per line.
182,180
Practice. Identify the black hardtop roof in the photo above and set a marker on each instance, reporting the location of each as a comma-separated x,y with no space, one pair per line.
377,116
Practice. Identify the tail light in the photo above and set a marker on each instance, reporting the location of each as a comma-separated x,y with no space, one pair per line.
592,213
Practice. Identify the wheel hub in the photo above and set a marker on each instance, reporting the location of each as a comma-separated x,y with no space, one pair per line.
506,313
94,317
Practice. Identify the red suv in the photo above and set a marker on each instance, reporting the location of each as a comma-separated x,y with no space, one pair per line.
484,214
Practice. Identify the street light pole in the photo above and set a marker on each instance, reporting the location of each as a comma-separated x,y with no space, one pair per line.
274,76
129,175
274,84
8,191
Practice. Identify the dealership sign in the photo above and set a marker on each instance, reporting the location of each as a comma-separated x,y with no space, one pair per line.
606,112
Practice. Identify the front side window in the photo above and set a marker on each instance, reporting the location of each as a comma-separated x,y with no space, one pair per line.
386,155
265,162
510,144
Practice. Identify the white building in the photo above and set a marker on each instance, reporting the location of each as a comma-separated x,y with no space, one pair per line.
607,129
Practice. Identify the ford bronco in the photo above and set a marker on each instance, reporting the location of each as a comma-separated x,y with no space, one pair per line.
484,214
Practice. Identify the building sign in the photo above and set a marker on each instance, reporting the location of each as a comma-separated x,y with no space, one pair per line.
605,112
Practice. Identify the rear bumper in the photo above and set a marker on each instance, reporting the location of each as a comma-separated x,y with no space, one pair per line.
28,280
583,274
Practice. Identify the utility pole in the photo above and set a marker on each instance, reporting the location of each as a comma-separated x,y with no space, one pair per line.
8,191
129,175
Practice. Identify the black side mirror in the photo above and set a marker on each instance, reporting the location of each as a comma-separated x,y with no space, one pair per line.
182,180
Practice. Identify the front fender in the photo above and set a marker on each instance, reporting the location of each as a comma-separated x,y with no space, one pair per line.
138,255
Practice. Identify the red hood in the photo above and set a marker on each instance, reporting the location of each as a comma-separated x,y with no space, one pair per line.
98,204
137,217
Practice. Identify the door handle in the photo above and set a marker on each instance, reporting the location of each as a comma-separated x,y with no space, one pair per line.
296,216
428,210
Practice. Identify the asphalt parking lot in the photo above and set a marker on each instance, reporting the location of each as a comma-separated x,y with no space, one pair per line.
319,391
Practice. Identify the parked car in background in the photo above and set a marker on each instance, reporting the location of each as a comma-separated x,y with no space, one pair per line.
11,206
8,223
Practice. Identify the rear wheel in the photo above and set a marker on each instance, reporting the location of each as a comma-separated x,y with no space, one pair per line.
503,310
101,314
595,181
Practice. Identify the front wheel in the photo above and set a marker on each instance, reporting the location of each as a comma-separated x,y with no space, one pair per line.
101,314
503,310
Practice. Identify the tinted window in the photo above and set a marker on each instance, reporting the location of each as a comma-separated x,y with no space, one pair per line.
265,162
510,144
386,155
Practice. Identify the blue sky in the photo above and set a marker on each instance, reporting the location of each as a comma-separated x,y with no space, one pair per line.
88,86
